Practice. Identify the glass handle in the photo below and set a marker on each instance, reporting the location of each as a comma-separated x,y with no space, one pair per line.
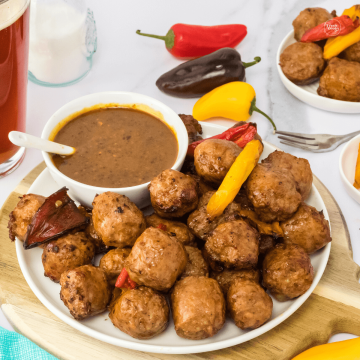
91,35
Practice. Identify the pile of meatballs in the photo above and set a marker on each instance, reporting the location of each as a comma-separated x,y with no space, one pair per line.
200,270
303,63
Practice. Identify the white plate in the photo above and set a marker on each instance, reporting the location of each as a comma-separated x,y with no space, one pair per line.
168,342
347,164
308,93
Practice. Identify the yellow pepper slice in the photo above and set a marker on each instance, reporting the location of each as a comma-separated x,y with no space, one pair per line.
353,12
348,349
235,100
334,46
357,171
263,228
236,176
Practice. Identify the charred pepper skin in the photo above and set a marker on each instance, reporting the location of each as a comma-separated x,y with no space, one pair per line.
197,77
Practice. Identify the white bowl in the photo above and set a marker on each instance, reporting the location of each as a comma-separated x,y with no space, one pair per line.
308,93
347,163
138,194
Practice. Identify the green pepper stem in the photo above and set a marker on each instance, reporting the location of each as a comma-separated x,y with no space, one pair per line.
151,35
248,64
254,108
169,38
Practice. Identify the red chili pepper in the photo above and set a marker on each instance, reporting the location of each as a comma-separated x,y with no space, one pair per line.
121,278
162,227
192,41
131,284
337,26
232,134
124,281
246,137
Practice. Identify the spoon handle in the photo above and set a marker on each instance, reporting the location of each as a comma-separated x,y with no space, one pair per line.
29,141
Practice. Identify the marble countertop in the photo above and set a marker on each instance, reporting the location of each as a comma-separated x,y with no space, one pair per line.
128,62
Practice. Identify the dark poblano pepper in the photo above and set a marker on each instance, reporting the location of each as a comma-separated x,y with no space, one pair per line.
197,77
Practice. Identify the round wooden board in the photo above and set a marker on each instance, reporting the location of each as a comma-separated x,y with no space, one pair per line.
333,307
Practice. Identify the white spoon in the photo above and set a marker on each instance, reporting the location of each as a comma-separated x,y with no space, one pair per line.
29,141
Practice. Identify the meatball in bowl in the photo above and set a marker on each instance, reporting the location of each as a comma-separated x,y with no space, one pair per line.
302,63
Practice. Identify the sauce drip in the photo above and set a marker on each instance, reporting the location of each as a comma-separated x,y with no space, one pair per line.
116,147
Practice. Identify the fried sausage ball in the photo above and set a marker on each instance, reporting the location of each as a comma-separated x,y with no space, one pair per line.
196,265
298,167
203,187
307,228
199,222
198,307
302,63
267,242
174,229
91,233
156,260
242,199
205,198
66,253
341,80
287,271
233,245
22,215
117,220
308,19
213,159
273,193
193,127
115,294
248,303
352,53
173,194
227,277
141,313
113,262
85,291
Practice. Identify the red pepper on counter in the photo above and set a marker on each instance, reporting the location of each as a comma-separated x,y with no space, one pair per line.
240,135
337,26
124,281
192,41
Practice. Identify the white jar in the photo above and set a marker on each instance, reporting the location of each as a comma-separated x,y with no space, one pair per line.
62,41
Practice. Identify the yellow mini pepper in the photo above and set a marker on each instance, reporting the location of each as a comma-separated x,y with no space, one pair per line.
235,100
341,350
334,46
238,173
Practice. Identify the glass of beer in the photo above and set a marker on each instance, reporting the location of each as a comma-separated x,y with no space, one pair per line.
14,52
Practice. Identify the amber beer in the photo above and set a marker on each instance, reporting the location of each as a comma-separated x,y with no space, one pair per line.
14,51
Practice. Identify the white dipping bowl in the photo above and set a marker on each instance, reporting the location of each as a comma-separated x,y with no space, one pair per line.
308,93
138,194
347,164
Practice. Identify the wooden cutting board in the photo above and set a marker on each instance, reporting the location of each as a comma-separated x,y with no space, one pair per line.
334,306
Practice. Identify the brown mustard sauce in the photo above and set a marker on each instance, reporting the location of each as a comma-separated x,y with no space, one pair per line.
116,147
